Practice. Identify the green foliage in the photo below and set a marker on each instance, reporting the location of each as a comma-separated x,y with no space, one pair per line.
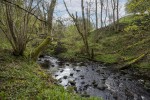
138,6
144,65
132,28
108,58
138,23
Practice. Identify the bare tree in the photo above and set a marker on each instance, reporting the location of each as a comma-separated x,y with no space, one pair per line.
16,26
102,4
50,16
96,15
19,24
82,30
117,12
115,8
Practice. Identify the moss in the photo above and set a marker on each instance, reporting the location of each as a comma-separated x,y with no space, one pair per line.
108,58
40,48
144,65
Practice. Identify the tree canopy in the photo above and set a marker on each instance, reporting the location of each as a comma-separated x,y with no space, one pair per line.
138,6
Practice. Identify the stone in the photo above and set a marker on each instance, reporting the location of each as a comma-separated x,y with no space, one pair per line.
83,82
67,64
98,71
78,70
101,86
72,83
82,76
81,64
65,77
71,74
45,64
86,86
60,63
56,75
61,70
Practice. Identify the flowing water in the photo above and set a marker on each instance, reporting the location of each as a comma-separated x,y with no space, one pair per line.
94,79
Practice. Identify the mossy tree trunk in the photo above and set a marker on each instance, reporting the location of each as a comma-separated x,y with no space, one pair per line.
35,54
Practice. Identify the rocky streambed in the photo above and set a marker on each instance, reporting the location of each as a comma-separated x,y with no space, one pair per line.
94,79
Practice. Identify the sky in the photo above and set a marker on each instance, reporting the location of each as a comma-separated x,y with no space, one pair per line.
75,6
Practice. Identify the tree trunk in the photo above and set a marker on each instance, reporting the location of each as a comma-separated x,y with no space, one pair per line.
101,1
50,16
85,30
35,54
43,45
117,15
96,14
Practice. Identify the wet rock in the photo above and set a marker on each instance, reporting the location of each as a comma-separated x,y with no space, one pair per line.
147,85
71,74
61,70
65,77
87,69
103,79
41,56
81,64
60,63
86,86
94,84
53,65
77,70
83,82
67,64
103,67
74,69
115,96
98,71
82,76
101,86
72,83
129,94
56,75
45,64
60,80
123,72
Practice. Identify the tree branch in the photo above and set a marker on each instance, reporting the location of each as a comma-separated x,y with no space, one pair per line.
24,10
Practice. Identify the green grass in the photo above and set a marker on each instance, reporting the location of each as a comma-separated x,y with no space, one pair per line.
107,58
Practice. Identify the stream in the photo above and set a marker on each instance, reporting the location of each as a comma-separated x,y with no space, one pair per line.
95,79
